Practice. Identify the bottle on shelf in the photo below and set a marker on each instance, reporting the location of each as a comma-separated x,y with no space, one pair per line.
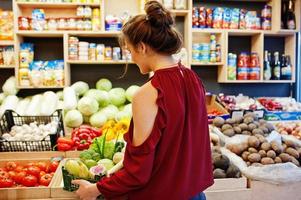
267,66
290,16
286,69
276,67
283,14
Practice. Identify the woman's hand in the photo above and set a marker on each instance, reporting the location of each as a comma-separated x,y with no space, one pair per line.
86,190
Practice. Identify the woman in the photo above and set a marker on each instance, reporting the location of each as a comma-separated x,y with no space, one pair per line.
168,149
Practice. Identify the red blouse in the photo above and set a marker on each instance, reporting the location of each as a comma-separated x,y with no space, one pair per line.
175,160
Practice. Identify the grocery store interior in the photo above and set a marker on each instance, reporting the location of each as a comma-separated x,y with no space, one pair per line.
65,101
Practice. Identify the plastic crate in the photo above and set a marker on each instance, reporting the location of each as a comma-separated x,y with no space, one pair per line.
68,178
11,118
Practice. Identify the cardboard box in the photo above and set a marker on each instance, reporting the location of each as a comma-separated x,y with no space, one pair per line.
213,105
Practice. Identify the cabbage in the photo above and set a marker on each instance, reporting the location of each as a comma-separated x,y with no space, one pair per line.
110,111
86,119
73,119
87,106
80,87
117,96
128,108
102,97
98,119
129,93
104,84
122,115
9,87
60,95
107,163
2,97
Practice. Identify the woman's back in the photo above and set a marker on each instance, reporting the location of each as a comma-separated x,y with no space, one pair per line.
180,134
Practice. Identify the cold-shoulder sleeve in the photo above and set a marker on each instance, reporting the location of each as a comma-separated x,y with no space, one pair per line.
138,161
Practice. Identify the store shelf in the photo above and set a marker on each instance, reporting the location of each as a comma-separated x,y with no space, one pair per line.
6,42
180,12
41,87
206,64
279,81
208,30
54,5
239,32
40,33
94,33
242,81
98,62
7,67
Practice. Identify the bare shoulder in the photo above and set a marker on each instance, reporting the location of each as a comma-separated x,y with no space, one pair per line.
144,112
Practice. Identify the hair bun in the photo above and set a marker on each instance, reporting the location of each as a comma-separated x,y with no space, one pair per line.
157,15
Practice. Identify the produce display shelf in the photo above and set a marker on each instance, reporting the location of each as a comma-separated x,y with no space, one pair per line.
206,64
41,87
180,12
6,42
103,62
40,33
54,5
243,81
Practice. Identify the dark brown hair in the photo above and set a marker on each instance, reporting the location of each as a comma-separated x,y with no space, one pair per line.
155,29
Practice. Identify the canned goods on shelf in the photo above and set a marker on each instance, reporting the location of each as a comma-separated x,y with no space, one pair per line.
116,53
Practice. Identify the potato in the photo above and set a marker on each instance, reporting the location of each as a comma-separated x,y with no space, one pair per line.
226,126
233,172
254,157
257,131
245,155
238,120
252,150
221,162
278,160
218,121
262,153
229,132
250,114
236,148
253,142
299,151
285,157
248,163
248,120
219,173
262,121
267,161
256,123
246,133
252,126
290,143
271,154
237,130
230,121
295,161
244,127
264,129
284,146
277,147
270,127
265,146
261,138
215,149
256,164
292,152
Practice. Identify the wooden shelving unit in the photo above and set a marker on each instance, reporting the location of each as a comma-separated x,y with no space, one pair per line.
7,67
191,35
7,43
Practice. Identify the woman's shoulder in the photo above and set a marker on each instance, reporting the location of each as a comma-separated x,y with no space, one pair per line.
146,93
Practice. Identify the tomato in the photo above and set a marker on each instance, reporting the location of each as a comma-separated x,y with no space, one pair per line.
10,166
30,181
45,180
2,169
42,173
19,177
42,166
30,164
53,166
19,168
4,174
12,174
6,182
34,170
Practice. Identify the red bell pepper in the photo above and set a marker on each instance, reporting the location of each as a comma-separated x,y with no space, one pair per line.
65,141
64,147
83,145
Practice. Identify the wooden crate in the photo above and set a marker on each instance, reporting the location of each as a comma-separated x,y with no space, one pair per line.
26,192
239,194
31,155
72,154
56,187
